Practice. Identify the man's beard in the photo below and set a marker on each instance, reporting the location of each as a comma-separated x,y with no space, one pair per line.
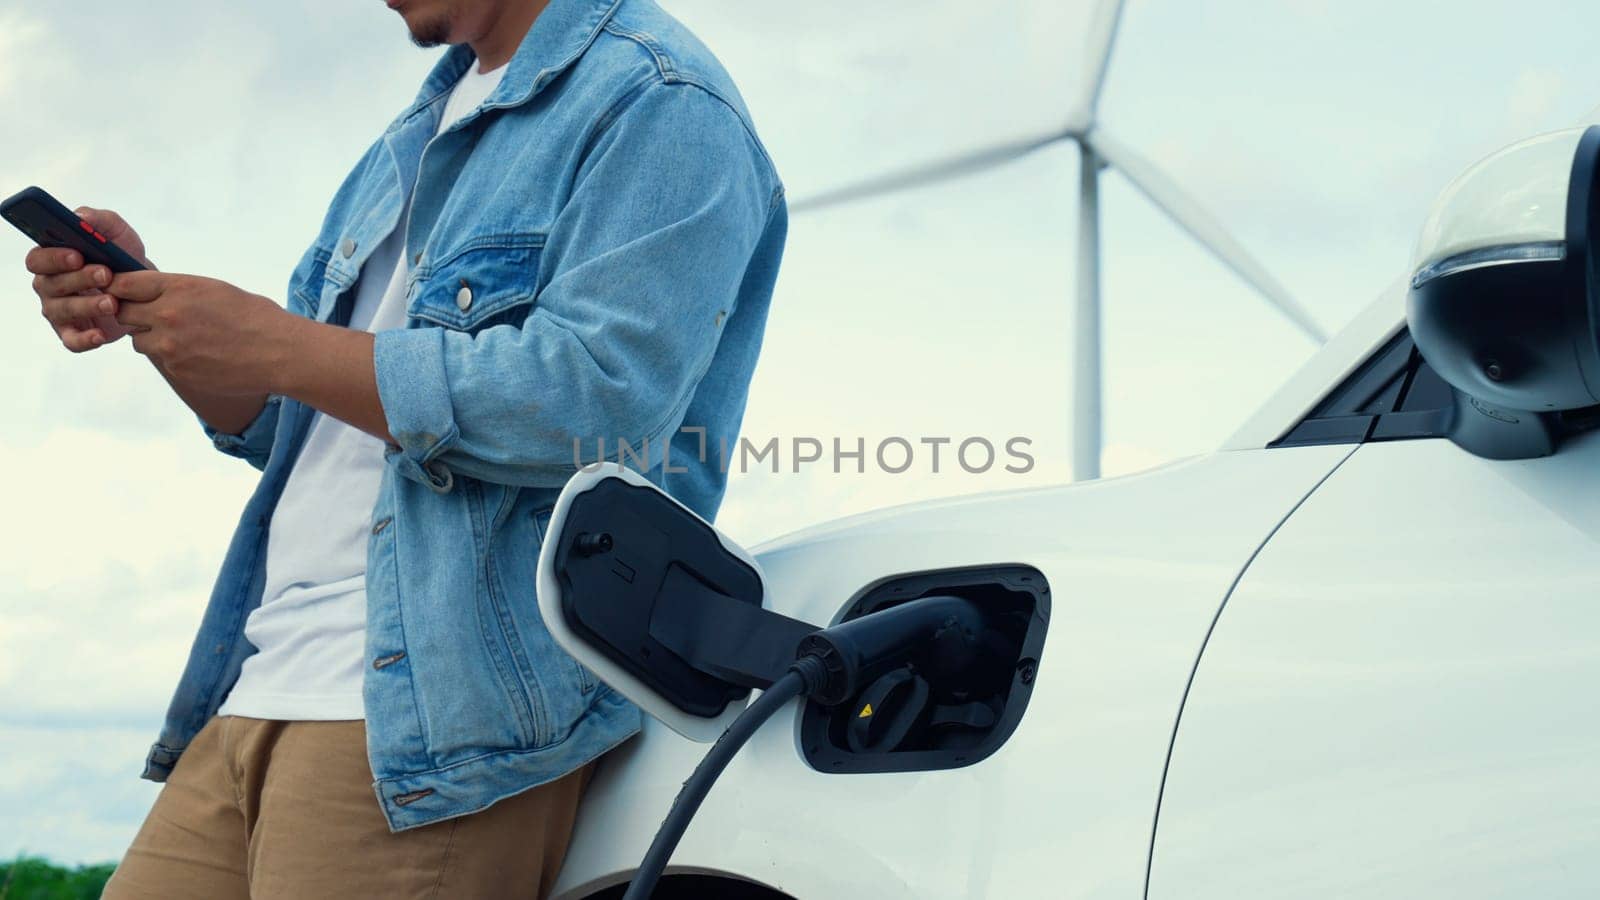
434,31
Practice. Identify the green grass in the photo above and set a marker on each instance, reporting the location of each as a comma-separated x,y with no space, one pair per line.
33,878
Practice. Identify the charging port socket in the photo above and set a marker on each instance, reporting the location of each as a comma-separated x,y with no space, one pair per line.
928,712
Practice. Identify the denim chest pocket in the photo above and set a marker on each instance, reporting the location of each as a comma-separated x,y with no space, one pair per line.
480,286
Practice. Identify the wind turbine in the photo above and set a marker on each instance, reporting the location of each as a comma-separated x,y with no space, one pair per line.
1097,150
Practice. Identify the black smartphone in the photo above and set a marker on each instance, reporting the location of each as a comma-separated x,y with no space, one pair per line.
50,224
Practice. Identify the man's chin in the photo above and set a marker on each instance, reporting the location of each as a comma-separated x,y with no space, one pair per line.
430,23
431,32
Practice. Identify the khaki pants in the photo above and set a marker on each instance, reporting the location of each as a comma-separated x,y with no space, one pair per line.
268,810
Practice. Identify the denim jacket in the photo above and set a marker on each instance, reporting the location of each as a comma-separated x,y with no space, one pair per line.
592,255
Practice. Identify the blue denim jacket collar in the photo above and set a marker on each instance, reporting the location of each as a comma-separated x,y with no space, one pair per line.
557,39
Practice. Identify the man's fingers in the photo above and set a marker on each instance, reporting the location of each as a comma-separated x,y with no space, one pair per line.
136,317
63,311
88,278
80,339
53,260
147,343
137,286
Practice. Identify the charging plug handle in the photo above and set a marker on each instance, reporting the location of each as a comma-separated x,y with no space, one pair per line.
856,652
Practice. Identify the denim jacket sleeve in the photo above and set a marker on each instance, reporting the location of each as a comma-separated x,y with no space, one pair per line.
645,263
254,444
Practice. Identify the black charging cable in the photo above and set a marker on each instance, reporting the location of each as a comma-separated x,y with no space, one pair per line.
804,678
832,665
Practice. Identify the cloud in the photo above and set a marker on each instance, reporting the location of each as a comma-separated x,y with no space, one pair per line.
75,795
21,37
112,544
1536,93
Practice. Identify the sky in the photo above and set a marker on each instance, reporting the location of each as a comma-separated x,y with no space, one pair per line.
1318,132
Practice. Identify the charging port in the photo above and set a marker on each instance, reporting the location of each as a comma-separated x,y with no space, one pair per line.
954,701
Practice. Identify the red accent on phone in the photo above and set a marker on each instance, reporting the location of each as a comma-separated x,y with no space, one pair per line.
48,223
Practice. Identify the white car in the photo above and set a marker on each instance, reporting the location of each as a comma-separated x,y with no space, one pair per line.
1355,652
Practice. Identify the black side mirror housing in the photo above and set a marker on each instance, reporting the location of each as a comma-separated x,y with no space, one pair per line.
1502,302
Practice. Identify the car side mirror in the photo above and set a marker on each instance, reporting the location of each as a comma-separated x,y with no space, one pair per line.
1502,295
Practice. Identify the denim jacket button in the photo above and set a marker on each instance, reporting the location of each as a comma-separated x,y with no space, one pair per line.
348,248
464,298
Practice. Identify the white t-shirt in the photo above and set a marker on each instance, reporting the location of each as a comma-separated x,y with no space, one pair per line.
310,629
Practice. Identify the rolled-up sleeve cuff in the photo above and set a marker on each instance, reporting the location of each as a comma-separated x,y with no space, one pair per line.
415,394
254,443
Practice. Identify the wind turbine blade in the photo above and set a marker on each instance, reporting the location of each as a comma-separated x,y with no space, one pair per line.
928,173
1193,218
1102,38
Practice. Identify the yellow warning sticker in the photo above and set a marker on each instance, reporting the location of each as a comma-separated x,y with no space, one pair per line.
866,712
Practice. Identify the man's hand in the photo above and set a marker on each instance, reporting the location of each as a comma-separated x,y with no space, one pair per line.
205,333
72,295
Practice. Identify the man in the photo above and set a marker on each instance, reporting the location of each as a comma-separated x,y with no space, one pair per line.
571,236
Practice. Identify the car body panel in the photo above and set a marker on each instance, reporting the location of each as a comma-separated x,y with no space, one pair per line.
1402,697
1137,567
